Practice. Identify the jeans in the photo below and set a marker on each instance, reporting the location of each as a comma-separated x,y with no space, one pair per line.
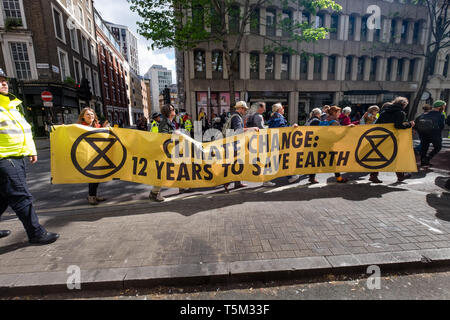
15,194
93,189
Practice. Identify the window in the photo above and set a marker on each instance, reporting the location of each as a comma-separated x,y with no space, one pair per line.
348,68
351,27
306,17
234,18
271,22
63,64
94,55
416,32
58,21
373,68
74,39
287,23
85,47
77,69
95,83
378,33
270,63
199,64
88,5
334,26
198,17
216,21
446,66
393,30
89,26
80,15
364,29
304,68
360,70
320,20
404,31
317,68
412,66
389,69
285,66
254,21
400,69
12,9
331,68
254,65
235,67
69,5
217,64
88,74
21,60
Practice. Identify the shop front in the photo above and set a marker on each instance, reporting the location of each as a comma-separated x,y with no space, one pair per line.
219,102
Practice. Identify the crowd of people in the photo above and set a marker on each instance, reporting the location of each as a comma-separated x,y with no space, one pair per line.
17,144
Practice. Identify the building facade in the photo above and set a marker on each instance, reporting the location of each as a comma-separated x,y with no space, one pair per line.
113,75
160,77
354,67
137,104
128,43
50,46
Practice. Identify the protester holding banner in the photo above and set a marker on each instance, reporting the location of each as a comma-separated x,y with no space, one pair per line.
370,116
89,118
392,112
236,124
279,121
325,113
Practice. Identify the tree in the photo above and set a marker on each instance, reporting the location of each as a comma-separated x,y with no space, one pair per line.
185,24
438,39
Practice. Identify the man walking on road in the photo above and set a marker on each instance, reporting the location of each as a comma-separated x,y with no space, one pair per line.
430,126
16,143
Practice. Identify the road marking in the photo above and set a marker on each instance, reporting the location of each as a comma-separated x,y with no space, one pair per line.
430,228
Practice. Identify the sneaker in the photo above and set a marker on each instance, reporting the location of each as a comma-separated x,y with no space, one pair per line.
269,184
313,181
405,176
156,197
375,180
341,180
92,201
100,199
293,179
4,233
240,185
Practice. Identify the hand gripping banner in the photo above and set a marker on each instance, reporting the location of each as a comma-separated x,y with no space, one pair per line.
80,154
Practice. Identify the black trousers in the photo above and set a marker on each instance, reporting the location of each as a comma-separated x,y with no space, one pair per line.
425,145
14,193
93,189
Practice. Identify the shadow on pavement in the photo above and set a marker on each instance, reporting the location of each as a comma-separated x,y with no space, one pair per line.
441,203
190,206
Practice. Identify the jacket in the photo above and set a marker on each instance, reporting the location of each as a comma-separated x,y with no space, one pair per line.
16,138
166,126
277,121
344,120
438,120
394,114
154,126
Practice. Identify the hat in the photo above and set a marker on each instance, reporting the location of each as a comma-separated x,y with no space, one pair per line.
156,115
241,104
439,103
3,74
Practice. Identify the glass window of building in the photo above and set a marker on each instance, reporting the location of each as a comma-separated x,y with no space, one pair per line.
287,23
317,68
400,69
364,28
254,20
304,68
20,60
416,32
334,26
373,68
348,68
199,64
389,69
254,65
360,72
404,31
271,22
332,68
198,16
234,19
412,68
270,64
217,64
393,30
351,27
12,9
285,66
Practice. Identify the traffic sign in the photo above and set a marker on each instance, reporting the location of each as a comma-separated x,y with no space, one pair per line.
47,96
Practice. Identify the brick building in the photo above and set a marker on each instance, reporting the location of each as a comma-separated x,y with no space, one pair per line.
114,74
50,45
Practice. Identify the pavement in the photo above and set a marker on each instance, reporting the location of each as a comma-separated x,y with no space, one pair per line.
291,231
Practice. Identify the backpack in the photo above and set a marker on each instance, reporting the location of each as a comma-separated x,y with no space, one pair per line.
227,125
424,126
251,121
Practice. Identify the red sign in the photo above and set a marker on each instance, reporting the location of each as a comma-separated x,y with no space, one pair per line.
47,96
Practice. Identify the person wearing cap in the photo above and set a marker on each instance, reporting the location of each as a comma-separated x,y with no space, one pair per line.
16,144
237,126
434,134
156,119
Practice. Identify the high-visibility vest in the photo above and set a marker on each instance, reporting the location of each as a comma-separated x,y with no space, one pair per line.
16,138
155,126
188,125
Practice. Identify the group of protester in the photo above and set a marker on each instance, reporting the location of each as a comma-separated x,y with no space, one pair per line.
16,144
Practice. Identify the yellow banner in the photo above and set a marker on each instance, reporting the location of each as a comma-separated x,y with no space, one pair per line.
80,154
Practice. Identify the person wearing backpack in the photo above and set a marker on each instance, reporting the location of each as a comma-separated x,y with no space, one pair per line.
234,126
392,112
430,126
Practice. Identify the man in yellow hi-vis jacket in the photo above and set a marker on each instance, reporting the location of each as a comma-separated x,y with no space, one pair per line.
16,143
